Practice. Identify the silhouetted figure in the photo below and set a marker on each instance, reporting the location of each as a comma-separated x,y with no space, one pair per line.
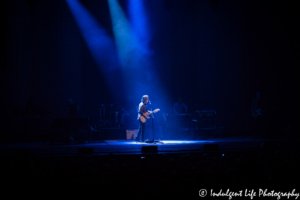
30,105
180,107
31,118
258,107
72,109
141,110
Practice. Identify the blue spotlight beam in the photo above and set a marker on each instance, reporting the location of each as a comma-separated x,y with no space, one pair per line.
123,33
139,21
132,38
100,44
136,67
130,47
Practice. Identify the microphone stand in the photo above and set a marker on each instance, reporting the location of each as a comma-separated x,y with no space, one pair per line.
152,116
151,141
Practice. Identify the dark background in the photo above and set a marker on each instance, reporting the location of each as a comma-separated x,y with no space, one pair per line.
214,54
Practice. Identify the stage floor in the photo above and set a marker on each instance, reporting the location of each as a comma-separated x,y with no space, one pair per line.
132,147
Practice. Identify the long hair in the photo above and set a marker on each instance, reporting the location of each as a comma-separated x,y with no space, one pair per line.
143,98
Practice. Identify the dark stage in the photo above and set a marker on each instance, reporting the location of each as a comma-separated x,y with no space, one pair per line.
127,169
127,147
213,83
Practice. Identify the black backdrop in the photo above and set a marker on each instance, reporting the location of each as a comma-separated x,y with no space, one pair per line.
215,54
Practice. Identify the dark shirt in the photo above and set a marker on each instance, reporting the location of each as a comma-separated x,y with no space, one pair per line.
142,109
258,107
73,110
258,104
30,105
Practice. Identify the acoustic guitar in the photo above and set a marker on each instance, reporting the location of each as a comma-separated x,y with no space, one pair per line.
143,119
259,112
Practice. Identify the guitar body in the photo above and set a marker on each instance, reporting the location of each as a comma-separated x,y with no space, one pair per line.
260,112
144,119
256,113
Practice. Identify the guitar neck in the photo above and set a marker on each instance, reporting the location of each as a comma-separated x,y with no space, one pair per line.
154,111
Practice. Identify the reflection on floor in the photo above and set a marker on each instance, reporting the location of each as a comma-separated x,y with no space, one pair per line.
132,147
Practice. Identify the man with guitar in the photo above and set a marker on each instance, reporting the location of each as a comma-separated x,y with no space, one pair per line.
143,115
258,108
